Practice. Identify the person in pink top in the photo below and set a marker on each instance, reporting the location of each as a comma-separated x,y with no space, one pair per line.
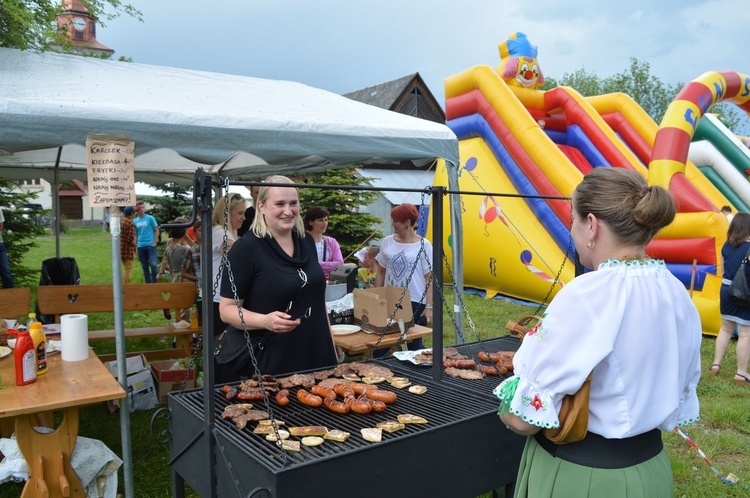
329,252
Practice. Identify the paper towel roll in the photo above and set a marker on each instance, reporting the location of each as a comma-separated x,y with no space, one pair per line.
74,333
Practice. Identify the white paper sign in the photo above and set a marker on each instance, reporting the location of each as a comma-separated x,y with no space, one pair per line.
111,170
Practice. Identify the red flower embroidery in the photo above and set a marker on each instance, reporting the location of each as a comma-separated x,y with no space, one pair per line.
535,329
537,402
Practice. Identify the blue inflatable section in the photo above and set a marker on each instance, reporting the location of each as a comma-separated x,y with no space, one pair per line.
474,125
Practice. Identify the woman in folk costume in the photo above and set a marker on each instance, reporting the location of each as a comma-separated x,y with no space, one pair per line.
630,325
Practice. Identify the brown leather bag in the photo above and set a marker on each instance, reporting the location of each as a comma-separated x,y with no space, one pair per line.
574,417
574,412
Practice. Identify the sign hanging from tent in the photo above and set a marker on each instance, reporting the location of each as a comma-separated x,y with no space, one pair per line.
111,169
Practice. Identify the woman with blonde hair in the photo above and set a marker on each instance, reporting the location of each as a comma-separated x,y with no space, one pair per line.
280,288
225,222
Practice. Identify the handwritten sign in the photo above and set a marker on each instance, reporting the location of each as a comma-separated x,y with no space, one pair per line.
111,169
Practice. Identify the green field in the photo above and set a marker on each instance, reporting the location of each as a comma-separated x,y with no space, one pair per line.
723,432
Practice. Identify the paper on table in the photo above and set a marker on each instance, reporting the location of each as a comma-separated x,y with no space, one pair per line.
409,356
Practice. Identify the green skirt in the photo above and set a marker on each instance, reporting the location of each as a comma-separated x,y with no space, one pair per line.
540,475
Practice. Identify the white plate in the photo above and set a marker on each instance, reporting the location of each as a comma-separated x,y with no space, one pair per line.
4,351
345,329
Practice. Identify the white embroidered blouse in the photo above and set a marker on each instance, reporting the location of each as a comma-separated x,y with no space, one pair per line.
635,326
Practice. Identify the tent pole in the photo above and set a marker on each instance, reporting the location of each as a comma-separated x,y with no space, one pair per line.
203,207
457,250
127,451
56,202
437,280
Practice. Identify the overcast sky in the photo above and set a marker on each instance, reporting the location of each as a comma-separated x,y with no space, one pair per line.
345,46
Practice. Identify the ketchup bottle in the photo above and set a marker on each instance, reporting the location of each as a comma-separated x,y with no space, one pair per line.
25,356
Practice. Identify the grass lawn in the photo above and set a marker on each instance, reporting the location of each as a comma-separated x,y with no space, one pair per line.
723,432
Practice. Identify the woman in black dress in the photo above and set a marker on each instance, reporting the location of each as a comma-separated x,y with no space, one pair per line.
733,252
280,288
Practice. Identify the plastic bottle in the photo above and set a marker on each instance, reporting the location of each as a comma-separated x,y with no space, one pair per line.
32,319
40,346
25,357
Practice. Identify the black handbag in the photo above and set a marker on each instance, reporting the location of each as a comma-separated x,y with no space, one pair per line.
739,289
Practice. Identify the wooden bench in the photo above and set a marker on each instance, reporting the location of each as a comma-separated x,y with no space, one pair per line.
15,302
65,299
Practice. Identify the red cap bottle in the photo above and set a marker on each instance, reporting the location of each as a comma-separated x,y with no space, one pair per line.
25,356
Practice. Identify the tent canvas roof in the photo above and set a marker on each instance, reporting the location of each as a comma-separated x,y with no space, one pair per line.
265,126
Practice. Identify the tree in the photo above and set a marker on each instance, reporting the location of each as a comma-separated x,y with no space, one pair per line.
652,94
348,226
168,207
32,24
20,228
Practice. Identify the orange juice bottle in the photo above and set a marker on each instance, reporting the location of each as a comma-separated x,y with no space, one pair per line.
40,345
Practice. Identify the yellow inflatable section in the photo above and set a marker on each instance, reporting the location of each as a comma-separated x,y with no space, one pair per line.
523,151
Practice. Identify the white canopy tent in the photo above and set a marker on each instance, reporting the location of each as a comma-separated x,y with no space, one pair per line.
238,126
48,100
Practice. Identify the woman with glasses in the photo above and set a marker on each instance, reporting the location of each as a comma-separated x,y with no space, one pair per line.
280,288
225,222
328,250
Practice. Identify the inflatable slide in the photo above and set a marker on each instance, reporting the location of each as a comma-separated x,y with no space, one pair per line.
523,151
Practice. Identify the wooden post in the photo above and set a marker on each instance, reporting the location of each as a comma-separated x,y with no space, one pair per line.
692,276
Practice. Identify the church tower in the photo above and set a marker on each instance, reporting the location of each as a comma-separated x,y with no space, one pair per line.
81,27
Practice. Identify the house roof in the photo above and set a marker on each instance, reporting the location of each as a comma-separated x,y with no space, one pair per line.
406,95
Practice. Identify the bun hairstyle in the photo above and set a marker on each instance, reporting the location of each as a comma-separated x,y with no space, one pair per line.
624,201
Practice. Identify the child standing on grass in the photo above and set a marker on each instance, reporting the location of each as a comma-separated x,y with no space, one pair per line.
191,269
178,247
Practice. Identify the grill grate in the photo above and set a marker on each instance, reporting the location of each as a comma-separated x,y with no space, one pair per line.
463,451
482,386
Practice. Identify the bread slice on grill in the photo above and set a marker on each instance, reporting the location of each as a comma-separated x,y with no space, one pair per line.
337,435
408,418
372,434
308,430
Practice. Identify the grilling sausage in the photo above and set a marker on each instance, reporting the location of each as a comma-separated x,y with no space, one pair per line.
377,406
381,395
360,388
503,356
230,392
309,399
335,406
493,370
323,392
343,390
358,406
282,397
464,364
250,395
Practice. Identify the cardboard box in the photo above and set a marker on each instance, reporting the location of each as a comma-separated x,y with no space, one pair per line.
141,389
168,379
373,307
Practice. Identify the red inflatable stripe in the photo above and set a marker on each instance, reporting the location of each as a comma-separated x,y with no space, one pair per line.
684,250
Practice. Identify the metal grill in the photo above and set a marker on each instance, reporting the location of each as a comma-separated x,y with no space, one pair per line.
464,450
483,386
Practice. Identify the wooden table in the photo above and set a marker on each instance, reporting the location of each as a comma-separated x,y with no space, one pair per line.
363,343
65,387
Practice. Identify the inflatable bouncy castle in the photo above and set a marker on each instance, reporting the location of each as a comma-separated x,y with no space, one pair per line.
523,151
